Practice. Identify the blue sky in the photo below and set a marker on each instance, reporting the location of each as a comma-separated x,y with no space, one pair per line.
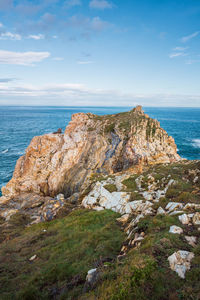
100,52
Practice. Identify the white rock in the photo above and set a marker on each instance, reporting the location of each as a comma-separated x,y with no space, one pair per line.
159,194
172,181
192,206
91,275
33,257
191,240
161,211
147,196
184,219
196,218
101,197
124,218
175,229
171,206
60,197
176,212
97,208
8,213
180,262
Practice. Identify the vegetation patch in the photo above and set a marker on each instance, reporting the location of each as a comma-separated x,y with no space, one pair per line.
110,187
130,184
65,250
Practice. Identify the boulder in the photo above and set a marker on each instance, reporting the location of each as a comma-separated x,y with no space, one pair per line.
196,218
184,219
175,229
191,240
180,262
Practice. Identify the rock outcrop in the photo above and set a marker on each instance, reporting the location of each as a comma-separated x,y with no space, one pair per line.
60,163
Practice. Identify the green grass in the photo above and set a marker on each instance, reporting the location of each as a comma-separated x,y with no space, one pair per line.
130,184
110,187
145,273
65,252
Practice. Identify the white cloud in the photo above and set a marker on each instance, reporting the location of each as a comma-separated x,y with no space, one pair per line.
180,48
71,3
100,4
22,58
36,36
10,36
189,37
88,24
80,95
58,58
192,61
85,62
98,25
5,80
1,25
177,54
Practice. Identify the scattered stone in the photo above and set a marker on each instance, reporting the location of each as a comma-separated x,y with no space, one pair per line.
8,213
184,219
123,219
196,218
60,197
33,257
191,240
180,262
192,206
92,276
171,206
176,212
161,211
175,229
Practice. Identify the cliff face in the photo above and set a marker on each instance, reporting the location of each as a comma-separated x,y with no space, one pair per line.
60,163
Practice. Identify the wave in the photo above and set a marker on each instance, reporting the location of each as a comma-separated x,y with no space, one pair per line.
196,143
4,151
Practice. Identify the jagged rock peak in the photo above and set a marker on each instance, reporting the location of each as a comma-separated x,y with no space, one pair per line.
138,109
61,163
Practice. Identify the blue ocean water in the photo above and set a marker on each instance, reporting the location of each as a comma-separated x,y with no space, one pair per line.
18,125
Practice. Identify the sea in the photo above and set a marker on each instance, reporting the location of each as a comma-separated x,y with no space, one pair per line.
19,124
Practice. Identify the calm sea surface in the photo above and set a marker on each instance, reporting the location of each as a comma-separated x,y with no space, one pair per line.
18,125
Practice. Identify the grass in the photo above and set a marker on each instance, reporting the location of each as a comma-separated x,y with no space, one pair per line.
110,187
66,249
145,273
130,184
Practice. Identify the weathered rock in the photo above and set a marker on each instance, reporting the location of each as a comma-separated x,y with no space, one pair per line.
161,211
172,206
196,218
175,229
60,197
124,218
60,163
33,257
184,219
191,240
180,262
92,277
8,213
191,206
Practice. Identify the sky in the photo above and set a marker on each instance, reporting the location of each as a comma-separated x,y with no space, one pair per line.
100,52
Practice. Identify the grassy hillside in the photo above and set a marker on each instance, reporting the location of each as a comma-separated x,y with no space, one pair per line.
65,250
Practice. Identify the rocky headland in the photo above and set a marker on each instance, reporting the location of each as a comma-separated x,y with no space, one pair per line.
118,180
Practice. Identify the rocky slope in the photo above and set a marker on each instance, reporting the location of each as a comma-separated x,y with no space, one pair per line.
61,163
107,210
136,236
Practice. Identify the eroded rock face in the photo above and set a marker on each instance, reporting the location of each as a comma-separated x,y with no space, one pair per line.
180,262
60,163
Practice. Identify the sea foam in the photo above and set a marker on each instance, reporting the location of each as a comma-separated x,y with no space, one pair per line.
196,143
4,151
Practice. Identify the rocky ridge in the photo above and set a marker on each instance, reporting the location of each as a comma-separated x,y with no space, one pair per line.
61,163
155,194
